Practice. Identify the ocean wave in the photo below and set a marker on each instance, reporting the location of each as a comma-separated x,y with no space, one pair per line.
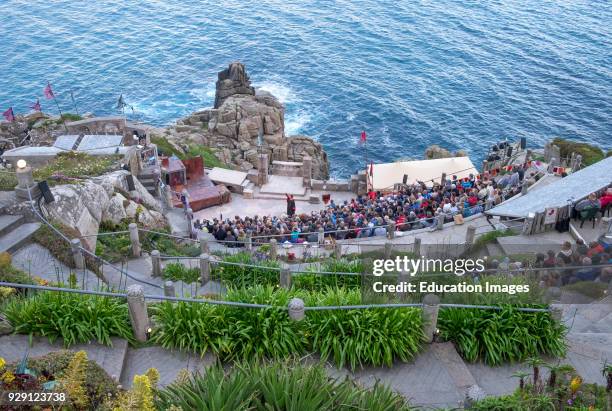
282,92
295,122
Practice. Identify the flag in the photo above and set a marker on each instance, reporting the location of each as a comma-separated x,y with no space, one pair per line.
121,103
9,115
36,106
49,92
363,137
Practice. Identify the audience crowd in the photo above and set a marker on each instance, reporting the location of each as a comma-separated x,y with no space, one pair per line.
411,207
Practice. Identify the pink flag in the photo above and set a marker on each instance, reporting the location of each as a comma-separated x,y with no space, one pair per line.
36,106
363,137
49,92
9,115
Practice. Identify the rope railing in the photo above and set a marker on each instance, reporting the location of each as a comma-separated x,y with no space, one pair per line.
83,249
257,306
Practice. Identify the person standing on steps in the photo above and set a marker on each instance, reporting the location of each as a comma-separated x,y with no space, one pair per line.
290,205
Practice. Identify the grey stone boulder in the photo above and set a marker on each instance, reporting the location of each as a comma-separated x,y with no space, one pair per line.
5,326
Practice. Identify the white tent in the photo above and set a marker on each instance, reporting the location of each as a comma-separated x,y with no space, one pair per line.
387,174
560,193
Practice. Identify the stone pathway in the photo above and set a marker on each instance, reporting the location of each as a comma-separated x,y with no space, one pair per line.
141,270
36,260
437,377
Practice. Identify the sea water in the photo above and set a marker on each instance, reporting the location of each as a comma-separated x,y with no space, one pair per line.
461,74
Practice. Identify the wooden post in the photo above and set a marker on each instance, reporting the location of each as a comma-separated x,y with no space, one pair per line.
203,239
402,276
470,235
321,236
388,249
273,249
391,230
169,289
443,179
338,250
285,278
431,307
135,240
416,247
249,241
77,253
156,263
204,268
137,309
440,221
524,188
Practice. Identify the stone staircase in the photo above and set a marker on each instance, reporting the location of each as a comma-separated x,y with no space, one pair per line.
275,196
589,336
148,178
15,232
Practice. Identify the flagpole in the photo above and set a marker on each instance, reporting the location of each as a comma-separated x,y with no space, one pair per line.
58,107
74,103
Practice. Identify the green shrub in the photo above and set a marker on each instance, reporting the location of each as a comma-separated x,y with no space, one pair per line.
319,281
231,332
359,337
60,248
277,386
563,390
10,274
210,160
236,276
498,336
590,153
349,337
8,181
117,247
73,318
194,150
178,272
164,147
490,237
72,164
98,384
264,332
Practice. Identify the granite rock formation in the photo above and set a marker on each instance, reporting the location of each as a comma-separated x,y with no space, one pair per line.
85,205
243,122
435,151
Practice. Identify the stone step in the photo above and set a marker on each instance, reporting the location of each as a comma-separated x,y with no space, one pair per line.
9,222
168,363
494,250
11,241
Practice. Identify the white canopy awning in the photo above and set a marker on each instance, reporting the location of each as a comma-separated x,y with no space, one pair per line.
387,174
574,187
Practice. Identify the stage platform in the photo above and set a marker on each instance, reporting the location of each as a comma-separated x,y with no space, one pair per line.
282,185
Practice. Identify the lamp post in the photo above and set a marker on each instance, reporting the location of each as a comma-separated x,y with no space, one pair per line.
25,181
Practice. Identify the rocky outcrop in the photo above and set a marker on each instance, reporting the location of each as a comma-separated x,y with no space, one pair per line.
243,122
85,205
435,151
233,80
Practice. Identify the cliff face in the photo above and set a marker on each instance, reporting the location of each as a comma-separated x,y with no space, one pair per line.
242,114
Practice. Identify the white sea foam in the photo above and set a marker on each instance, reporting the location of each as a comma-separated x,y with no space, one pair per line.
295,122
283,93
